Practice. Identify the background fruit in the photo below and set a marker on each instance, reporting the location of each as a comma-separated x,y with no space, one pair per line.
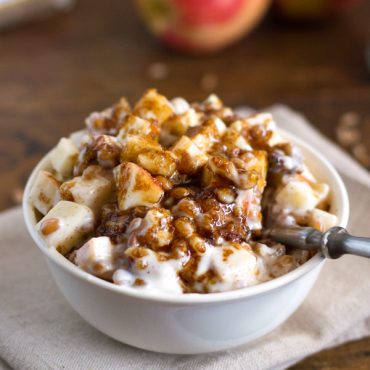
201,25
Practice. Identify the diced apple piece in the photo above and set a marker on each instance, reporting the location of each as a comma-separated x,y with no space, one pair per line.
132,146
156,229
233,140
321,190
208,133
178,124
239,126
238,269
153,106
101,122
108,120
266,120
261,119
63,157
45,192
213,102
157,162
225,168
190,157
225,113
307,175
217,125
136,126
93,189
136,187
276,138
79,137
96,256
66,225
297,196
322,220
243,126
121,109
180,105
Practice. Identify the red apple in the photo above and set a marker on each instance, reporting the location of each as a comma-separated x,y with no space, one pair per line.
201,25
312,10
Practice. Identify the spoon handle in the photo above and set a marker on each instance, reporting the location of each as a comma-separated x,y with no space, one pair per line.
336,242
333,243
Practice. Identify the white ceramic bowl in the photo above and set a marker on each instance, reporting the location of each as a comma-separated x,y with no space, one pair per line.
190,323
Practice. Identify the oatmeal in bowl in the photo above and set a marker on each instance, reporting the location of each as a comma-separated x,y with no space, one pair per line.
172,197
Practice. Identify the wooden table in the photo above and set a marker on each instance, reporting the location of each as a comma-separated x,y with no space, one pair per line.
53,73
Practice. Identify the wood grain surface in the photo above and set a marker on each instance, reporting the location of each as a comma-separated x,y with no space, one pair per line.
54,72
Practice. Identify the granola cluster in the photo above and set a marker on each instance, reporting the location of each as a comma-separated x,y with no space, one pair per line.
172,197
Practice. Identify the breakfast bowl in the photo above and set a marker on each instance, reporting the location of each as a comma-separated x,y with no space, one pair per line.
189,323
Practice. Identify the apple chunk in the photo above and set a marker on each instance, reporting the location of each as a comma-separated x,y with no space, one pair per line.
66,225
93,189
297,195
153,106
132,146
190,158
45,192
204,136
136,187
136,126
159,162
96,256
322,220
63,158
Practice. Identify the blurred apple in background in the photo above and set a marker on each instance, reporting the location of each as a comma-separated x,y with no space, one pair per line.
312,10
201,26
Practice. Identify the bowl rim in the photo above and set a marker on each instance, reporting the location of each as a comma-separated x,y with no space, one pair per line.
191,298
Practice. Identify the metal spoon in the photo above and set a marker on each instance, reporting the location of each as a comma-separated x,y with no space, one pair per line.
333,243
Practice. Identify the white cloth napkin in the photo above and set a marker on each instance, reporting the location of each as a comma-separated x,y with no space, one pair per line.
39,330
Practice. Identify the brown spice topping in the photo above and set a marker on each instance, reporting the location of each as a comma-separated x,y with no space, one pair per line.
49,226
44,198
139,282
